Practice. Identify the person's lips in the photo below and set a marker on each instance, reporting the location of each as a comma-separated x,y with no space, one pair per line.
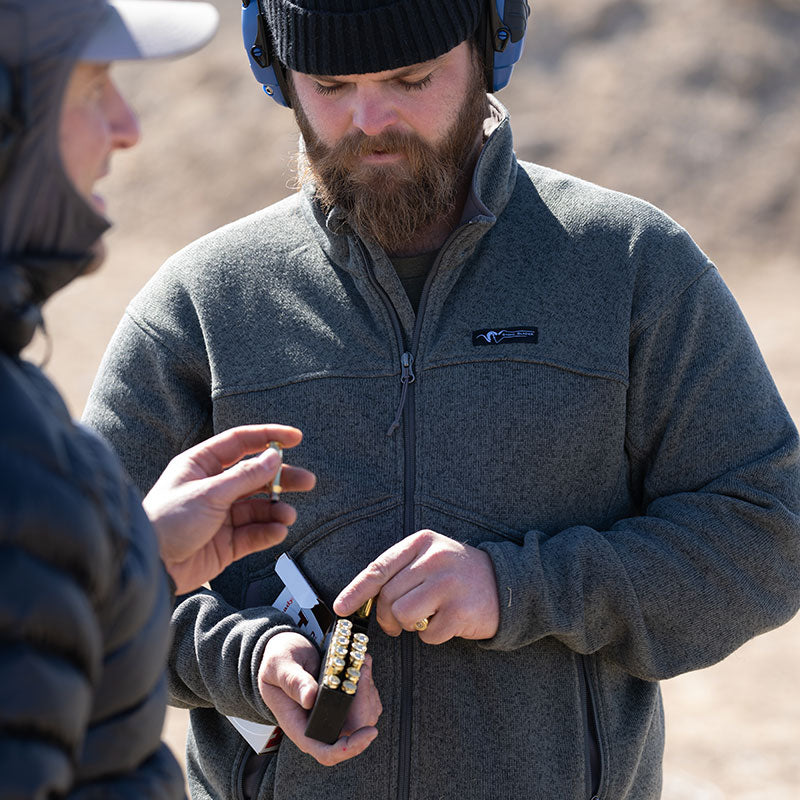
99,203
97,200
382,158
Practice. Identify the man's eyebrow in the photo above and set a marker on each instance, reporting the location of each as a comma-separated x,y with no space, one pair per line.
422,67
402,72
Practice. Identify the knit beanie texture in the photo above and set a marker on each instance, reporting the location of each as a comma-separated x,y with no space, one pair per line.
347,37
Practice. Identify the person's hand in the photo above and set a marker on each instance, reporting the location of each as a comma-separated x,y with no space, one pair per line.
428,577
288,686
202,509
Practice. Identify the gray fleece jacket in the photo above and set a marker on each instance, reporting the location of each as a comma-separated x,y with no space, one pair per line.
578,395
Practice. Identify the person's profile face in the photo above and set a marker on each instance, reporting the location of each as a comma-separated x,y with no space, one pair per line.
95,121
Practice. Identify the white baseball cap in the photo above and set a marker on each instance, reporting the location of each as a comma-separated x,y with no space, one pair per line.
140,29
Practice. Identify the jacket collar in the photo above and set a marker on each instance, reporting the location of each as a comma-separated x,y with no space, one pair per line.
492,185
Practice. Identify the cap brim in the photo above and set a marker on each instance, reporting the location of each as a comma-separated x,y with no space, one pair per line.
139,29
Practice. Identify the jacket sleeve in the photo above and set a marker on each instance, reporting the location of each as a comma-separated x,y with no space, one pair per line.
714,557
50,637
216,654
151,398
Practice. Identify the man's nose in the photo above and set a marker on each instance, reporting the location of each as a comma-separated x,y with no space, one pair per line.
372,111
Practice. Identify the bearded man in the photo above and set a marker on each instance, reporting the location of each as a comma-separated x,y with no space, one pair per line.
546,440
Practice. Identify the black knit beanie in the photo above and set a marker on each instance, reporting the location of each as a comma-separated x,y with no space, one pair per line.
348,37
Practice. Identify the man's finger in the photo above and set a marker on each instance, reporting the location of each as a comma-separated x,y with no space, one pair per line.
261,510
369,582
253,476
230,446
293,479
295,682
256,537
367,707
247,477
293,719
297,479
348,747
393,592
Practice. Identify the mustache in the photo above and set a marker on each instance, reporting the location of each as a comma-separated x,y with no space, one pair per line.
357,145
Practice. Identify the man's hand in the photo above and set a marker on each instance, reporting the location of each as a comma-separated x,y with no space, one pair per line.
428,575
202,506
288,686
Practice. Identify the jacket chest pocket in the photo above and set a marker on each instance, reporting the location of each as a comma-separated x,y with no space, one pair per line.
534,445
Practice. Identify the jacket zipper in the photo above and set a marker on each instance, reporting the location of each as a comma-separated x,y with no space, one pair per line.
592,746
405,411
406,376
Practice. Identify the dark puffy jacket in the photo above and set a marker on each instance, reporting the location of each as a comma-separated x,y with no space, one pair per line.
84,611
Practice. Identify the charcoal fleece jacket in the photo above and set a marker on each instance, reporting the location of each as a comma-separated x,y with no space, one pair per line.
620,452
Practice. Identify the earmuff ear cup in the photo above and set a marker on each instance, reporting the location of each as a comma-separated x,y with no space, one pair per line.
268,71
503,34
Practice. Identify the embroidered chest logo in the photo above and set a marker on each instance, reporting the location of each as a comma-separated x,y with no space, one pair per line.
505,336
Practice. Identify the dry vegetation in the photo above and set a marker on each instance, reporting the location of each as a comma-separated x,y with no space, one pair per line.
694,106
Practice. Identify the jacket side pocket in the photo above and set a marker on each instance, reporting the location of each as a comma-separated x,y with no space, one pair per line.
591,728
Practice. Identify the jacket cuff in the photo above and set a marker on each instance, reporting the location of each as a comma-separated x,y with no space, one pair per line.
262,709
516,627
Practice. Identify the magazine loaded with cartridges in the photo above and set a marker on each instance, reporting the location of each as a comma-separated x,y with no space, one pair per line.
344,641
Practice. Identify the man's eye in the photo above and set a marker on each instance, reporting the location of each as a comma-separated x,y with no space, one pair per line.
411,86
321,88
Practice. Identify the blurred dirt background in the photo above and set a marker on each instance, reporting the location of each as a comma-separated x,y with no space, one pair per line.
694,106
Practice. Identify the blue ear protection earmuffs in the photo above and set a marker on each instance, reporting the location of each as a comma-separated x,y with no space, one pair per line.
267,69
502,32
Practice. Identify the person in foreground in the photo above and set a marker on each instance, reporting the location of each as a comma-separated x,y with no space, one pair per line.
84,599
545,436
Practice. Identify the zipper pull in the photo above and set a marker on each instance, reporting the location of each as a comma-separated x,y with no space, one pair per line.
406,376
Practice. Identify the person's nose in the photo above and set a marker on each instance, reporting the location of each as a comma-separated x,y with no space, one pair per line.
124,124
373,112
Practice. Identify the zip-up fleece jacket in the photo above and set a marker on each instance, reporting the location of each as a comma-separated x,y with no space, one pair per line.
578,395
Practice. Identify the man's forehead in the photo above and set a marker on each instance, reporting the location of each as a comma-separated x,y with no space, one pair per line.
386,75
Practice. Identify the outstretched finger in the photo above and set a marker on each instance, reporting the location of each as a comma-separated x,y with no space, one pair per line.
228,447
297,479
248,477
369,582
